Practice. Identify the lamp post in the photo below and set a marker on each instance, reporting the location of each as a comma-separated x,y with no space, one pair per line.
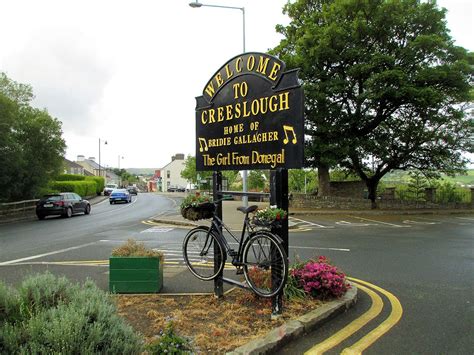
120,176
197,4
100,167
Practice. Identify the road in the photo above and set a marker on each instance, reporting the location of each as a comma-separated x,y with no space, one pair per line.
425,263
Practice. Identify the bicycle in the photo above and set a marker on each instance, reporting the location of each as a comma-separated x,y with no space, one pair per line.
260,256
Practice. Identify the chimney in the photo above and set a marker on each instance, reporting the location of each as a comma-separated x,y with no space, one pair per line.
92,158
80,158
178,156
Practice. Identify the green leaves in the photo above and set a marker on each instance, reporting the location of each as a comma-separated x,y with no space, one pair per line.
383,83
31,143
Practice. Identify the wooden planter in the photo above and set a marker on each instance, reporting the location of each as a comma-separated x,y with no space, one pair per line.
134,274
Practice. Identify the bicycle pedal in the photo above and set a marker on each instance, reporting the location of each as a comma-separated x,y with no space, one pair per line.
233,253
239,271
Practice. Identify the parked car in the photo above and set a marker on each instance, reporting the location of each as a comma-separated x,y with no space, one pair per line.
109,188
120,195
176,189
64,204
133,190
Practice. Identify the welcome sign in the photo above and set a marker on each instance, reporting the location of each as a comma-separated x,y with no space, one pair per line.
250,116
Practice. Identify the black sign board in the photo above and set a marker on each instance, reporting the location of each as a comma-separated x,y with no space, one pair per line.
250,116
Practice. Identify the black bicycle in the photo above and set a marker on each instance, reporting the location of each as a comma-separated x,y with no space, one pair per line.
260,256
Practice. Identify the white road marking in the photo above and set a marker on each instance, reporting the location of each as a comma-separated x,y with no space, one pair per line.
350,224
409,221
157,230
375,221
45,254
468,218
311,223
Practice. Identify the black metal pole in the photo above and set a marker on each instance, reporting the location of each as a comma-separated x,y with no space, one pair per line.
279,197
216,192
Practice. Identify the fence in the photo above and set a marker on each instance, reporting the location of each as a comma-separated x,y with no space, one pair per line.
17,209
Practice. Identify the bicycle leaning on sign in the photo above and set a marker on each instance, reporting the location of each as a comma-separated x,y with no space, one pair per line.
260,256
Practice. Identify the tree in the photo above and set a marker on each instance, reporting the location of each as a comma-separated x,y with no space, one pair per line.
256,180
31,145
383,84
189,172
300,180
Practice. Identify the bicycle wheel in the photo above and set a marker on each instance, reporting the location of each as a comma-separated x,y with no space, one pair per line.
199,250
265,264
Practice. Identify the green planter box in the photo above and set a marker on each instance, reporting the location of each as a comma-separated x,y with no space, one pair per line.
135,274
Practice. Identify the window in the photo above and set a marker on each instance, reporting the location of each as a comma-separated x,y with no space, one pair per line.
168,174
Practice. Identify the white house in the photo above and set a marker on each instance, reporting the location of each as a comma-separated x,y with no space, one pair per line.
171,173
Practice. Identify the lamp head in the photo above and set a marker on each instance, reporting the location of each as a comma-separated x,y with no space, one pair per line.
195,4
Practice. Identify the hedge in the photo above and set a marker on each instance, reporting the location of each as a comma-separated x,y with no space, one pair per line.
70,177
82,188
100,182
51,315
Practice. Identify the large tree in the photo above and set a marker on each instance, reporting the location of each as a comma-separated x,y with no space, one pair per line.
383,85
31,143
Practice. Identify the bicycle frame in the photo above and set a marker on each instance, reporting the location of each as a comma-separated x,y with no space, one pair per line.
216,225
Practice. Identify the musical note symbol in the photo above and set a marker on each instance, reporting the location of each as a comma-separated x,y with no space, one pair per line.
286,129
201,141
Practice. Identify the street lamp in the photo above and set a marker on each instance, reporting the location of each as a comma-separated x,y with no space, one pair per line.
197,4
105,142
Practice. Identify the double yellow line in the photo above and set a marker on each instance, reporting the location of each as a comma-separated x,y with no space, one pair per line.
357,324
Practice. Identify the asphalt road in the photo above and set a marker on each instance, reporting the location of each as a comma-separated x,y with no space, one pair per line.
423,262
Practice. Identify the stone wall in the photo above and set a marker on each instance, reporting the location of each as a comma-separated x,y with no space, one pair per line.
302,201
348,189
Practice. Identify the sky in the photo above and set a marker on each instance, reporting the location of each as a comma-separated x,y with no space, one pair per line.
127,73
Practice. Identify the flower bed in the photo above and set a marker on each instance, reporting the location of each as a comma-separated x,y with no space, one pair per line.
320,279
269,217
196,207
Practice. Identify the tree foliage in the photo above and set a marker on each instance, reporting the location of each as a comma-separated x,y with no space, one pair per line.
31,143
384,85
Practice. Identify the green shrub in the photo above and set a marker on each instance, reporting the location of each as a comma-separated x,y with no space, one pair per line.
169,343
70,177
82,188
62,317
100,182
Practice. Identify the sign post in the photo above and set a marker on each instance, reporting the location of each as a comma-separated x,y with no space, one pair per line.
250,116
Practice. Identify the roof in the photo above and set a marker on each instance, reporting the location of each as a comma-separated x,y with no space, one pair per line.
72,164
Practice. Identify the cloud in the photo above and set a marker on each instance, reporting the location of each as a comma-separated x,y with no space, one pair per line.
66,72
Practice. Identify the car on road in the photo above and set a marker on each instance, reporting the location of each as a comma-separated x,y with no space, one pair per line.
109,188
120,195
176,189
133,190
62,204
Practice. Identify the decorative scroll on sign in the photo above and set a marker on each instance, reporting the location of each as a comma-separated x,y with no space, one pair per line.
250,116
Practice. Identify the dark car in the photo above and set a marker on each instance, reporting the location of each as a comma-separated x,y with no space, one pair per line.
133,190
62,204
120,195
176,189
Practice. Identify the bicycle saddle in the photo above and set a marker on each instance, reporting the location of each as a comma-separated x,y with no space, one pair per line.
249,209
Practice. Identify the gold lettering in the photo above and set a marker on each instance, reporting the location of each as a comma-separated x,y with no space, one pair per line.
273,106
229,72
203,117
237,110
255,107
210,89
219,80
246,113
220,114
229,112
212,119
250,63
284,101
262,65
238,65
274,72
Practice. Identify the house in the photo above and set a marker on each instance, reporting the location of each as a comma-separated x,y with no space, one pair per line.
170,174
91,166
71,167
